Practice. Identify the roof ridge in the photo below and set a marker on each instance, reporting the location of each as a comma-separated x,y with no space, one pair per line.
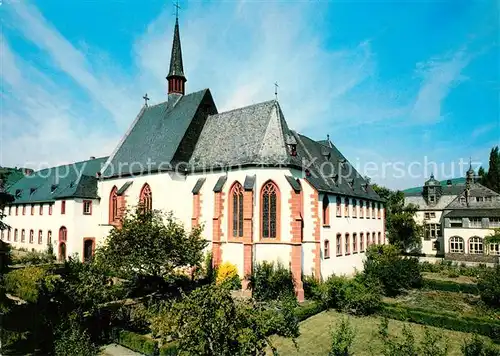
244,107
68,164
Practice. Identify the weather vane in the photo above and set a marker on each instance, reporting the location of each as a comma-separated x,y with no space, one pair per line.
177,7
276,86
145,97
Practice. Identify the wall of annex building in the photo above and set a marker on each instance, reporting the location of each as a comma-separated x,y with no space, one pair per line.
78,225
465,234
347,262
428,246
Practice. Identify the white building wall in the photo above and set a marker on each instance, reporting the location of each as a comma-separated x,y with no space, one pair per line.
428,245
465,234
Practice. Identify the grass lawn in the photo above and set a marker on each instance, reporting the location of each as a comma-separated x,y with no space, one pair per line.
315,335
453,303
444,277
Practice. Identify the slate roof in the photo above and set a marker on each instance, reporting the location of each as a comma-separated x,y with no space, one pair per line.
176,66
156,135
76,180
476,190
474,213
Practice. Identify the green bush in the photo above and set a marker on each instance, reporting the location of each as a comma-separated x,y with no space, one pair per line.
304,311
395,273
34,257
489,286
342,339
445,321
450,286
169,349
73,340
475,346
136,342
271,281
332,291
25,282
312,288
393,345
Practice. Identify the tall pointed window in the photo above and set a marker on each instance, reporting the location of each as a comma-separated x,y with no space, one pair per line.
326,210
146,197
270,214
63,234
236,210
339,207
113,205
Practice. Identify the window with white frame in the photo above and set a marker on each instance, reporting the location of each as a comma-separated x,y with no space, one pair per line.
432,214
432,231
494,249
427,216
475,222
456,244
494,222
476,245
455,222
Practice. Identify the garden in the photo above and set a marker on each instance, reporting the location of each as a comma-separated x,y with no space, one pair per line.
152,289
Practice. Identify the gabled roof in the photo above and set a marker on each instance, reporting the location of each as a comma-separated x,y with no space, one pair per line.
449,187
76,180
474,213
488,199
157,133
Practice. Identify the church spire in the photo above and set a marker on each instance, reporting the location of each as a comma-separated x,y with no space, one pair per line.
176,78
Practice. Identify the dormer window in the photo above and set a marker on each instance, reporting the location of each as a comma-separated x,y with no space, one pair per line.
432,198
364,187
32,190
308,173
293,149
351,183
335,179
72,184
18,193
462,200
448,182
53,187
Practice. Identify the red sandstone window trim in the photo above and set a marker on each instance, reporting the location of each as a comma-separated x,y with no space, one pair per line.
339,245
354,208
41,209
63,234
268,191
83,248
235,212
113,205
49,237
379,210
374,236
326,211
23,235
63,207
361,209
32,209
354,243
32,236
368,240
15,235
40,237
146,197
346,207
347,244
24,209
361,242
50,209
373,210
327,249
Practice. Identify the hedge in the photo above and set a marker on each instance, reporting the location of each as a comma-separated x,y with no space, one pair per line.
457,323
143,344
302,312
450,286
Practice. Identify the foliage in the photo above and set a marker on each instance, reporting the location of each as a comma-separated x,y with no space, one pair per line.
491,179
393,345
73,340
34,257
450,286
136,342
342,339
402,229
312,288
475,346
446,267
493,238
25,282
150,243
332,291
227,274
433,344
466,324
270,281
210,322
209,270
394,272
489,286
304,311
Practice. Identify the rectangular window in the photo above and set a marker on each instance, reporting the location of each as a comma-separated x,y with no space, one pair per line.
433,215
354,208
361,242
435,246
50,209
15,235
32,209
40,237
494,222
373,210
346,207
326,210
354,243
17,210
41,209
63,207
87,207
426,216
339,245
339,207
379,211
475,222
1,237
432,231
8,235
432,198
455,222
24,209
361,209
478,199
495,249
347,244
10,210
327,249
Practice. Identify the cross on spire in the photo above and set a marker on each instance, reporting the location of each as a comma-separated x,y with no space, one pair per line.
177,7
276,86
145,97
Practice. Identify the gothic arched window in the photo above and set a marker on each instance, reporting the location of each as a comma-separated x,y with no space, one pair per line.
146,197
270,210
63,234
236,210
113,205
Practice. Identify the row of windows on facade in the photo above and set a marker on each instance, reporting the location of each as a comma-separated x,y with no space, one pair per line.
371,239
476,246
463,200
373,210
475,222
87,208
6,236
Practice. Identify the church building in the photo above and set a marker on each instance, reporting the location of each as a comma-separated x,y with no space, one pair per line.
261,191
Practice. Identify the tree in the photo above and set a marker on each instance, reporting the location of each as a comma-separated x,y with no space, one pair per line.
210,322
402,229
151,244
491,178
342,339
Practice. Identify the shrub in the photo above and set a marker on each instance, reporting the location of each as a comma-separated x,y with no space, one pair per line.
332,291
270,281
450,286
312,288
342,339
25,282
72,340
392,345
475,346
453,273
136,342
304,311
489,286
361,296
227,275
433,344
395,273
34,258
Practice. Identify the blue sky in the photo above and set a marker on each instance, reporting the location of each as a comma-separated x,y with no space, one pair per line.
393,83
